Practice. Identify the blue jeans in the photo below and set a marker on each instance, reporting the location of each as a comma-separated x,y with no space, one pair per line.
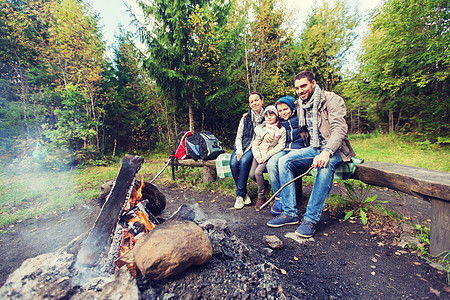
299,161
272,170
240,170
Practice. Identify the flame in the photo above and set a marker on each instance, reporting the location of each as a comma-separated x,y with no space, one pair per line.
138,195
141,217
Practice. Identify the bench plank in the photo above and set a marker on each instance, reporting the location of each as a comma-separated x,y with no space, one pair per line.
411,180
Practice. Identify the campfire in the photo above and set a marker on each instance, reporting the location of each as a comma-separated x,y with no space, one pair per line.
151,249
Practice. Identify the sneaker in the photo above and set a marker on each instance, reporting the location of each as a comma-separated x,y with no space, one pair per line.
247,200
277,208
259,202
282,220
239,202
306,229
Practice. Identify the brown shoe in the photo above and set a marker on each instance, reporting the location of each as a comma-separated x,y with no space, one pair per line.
259,202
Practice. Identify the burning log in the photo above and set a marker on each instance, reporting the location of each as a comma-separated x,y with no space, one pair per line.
98,238
156,200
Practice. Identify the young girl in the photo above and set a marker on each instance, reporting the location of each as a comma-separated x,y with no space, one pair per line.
242,156
262,150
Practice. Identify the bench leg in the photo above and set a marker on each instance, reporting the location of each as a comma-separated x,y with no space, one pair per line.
298,190
209,174
440,226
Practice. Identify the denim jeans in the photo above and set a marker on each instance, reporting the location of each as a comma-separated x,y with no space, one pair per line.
272,170
299,161
240,170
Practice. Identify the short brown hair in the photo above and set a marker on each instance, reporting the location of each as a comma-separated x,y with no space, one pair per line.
305,74
256,93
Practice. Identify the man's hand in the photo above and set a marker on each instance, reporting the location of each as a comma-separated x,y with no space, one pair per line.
268,138
238,156
321,160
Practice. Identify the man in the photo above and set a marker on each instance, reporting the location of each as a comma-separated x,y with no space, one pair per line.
324,115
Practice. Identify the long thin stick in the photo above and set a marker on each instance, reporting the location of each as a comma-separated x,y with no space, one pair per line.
286,184
154,178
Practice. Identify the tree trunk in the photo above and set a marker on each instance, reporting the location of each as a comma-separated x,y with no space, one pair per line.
359,116
191,115
391,121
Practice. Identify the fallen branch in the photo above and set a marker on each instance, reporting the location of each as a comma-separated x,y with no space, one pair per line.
286,184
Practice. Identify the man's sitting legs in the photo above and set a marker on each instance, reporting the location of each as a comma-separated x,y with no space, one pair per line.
318,197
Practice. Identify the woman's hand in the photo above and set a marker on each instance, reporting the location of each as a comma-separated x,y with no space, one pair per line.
261,161
238,156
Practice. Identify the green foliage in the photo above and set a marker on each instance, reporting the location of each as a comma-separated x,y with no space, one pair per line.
46,47
329,33
267,50
405,66
423,234
358,199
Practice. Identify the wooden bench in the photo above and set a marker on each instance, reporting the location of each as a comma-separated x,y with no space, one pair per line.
431,185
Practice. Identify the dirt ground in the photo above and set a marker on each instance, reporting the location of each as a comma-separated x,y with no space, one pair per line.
343,260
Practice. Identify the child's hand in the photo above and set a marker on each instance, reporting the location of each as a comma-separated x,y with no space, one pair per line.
268,138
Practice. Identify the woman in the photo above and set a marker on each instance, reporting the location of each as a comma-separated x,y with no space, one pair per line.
242,156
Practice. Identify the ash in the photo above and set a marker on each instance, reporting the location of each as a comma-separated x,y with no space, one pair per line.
235,272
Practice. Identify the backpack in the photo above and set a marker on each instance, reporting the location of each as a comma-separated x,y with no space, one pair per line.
203,145
179,150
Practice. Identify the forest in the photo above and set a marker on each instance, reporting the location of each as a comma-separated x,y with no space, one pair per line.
62,99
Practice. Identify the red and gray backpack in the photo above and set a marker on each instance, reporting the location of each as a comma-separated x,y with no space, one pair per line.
179,150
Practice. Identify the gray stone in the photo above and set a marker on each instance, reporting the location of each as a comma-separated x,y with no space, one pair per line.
267,251
273,242
298,239
170,248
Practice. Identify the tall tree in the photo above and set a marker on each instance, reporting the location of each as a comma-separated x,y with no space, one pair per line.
49,46
186,47
406,65
267,40
328,34
135,101
169,45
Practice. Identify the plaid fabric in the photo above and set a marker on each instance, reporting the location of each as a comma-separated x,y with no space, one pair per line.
223,165
344,171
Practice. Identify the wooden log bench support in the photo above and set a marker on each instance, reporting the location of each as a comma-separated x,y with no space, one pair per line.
431,185
209,168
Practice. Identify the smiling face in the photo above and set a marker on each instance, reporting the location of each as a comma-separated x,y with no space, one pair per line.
270,117
304,88
284,111
255,103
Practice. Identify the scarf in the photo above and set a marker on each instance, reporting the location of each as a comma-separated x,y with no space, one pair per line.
276,130
257,119
314,103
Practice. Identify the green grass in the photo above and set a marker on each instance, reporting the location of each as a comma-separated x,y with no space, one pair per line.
391,148
27,195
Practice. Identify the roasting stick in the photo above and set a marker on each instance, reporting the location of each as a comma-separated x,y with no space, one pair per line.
286,184
156,176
